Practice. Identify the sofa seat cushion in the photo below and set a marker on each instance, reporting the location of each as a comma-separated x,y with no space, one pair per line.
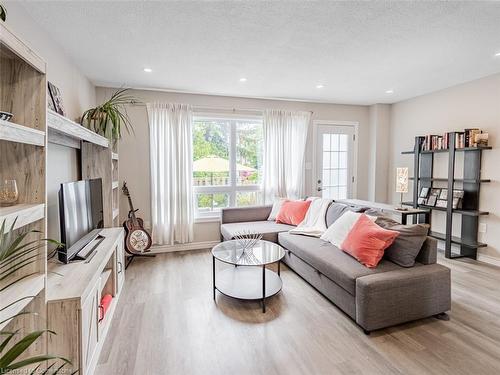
331,261
269,229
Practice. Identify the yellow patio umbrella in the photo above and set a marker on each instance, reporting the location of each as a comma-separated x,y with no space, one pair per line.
214,164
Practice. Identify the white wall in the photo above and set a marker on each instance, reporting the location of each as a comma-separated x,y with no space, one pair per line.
78,95
380,116
134,149
473,104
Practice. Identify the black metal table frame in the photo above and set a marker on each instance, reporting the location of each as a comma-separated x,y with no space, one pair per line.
263,299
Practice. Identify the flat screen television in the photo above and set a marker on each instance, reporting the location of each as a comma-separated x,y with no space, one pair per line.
81,217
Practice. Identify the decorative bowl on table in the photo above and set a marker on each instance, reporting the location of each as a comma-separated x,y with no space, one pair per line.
5,115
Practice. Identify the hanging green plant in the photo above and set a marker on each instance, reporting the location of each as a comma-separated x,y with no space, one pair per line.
108,118
3,12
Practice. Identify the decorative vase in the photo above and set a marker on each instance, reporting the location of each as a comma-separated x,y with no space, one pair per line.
8,192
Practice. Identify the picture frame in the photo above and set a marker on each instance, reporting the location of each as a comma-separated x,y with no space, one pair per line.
456,203
441,203
435,192
458,194
443,195
424,192
56,96
422,201
431,201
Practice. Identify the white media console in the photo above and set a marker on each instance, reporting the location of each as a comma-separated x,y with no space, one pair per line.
74,293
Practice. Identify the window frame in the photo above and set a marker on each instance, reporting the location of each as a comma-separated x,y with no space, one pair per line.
233,188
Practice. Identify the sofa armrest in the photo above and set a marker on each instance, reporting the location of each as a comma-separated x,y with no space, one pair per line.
389,298
428,252
244,214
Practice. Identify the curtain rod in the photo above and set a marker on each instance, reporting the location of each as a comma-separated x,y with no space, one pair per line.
233,109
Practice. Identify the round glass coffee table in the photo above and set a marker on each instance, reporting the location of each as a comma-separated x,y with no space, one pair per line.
249,279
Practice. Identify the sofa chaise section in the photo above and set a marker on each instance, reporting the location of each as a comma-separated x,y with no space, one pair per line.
250,220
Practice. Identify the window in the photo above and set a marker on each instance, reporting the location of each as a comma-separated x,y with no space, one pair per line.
227,163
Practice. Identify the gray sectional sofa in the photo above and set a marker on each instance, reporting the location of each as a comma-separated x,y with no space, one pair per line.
374,298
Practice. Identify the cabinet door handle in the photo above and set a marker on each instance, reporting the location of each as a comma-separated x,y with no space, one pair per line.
120,268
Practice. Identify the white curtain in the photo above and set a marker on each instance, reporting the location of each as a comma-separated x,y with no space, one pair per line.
285,136
171,172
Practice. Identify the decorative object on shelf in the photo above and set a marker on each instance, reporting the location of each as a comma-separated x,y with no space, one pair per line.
50,102
137,239
247,240
458,196
16,255
443,194
422,201
56,96
441,203
107,119
481,139
401,185
424,192
8,192
6,116
3,12
431,201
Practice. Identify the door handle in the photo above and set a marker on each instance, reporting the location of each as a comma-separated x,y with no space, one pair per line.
320,189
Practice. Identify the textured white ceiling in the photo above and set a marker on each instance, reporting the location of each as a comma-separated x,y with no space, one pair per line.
357,50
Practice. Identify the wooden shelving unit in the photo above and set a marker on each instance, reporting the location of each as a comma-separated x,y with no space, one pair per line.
65,132
471,182
23,154
102,162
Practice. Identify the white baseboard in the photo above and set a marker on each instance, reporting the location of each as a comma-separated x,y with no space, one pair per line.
183,247
488,259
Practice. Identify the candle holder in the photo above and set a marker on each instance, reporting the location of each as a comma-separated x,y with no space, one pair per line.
8,192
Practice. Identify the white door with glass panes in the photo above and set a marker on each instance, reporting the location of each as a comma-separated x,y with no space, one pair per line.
334,161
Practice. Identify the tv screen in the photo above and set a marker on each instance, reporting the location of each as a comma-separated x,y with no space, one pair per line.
80,209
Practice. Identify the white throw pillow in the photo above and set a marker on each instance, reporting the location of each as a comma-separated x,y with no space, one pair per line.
338,231
276,209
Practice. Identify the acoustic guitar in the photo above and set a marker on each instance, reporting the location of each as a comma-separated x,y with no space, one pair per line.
137,240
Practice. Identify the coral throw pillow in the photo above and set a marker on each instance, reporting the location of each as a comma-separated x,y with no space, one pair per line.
367,241
292,212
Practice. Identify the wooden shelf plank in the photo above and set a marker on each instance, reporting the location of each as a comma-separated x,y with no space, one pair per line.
12,132
457,240
456,180
59,125
457,210
20,49
114,156
25,213
29,287
464,149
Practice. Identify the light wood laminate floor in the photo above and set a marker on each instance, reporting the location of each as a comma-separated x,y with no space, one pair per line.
166,322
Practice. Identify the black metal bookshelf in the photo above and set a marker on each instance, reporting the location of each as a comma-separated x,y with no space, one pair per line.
423,163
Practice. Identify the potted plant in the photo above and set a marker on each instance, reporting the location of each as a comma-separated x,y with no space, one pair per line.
108,118
15,256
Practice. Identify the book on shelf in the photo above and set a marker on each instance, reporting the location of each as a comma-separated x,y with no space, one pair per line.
472,137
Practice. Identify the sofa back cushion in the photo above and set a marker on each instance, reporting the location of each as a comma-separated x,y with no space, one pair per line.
367,241
338,231
336,210
293,212
408,244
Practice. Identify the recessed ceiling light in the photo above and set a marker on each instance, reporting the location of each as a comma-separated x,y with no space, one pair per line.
148,70
497,54
243,79
320,86
389,91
